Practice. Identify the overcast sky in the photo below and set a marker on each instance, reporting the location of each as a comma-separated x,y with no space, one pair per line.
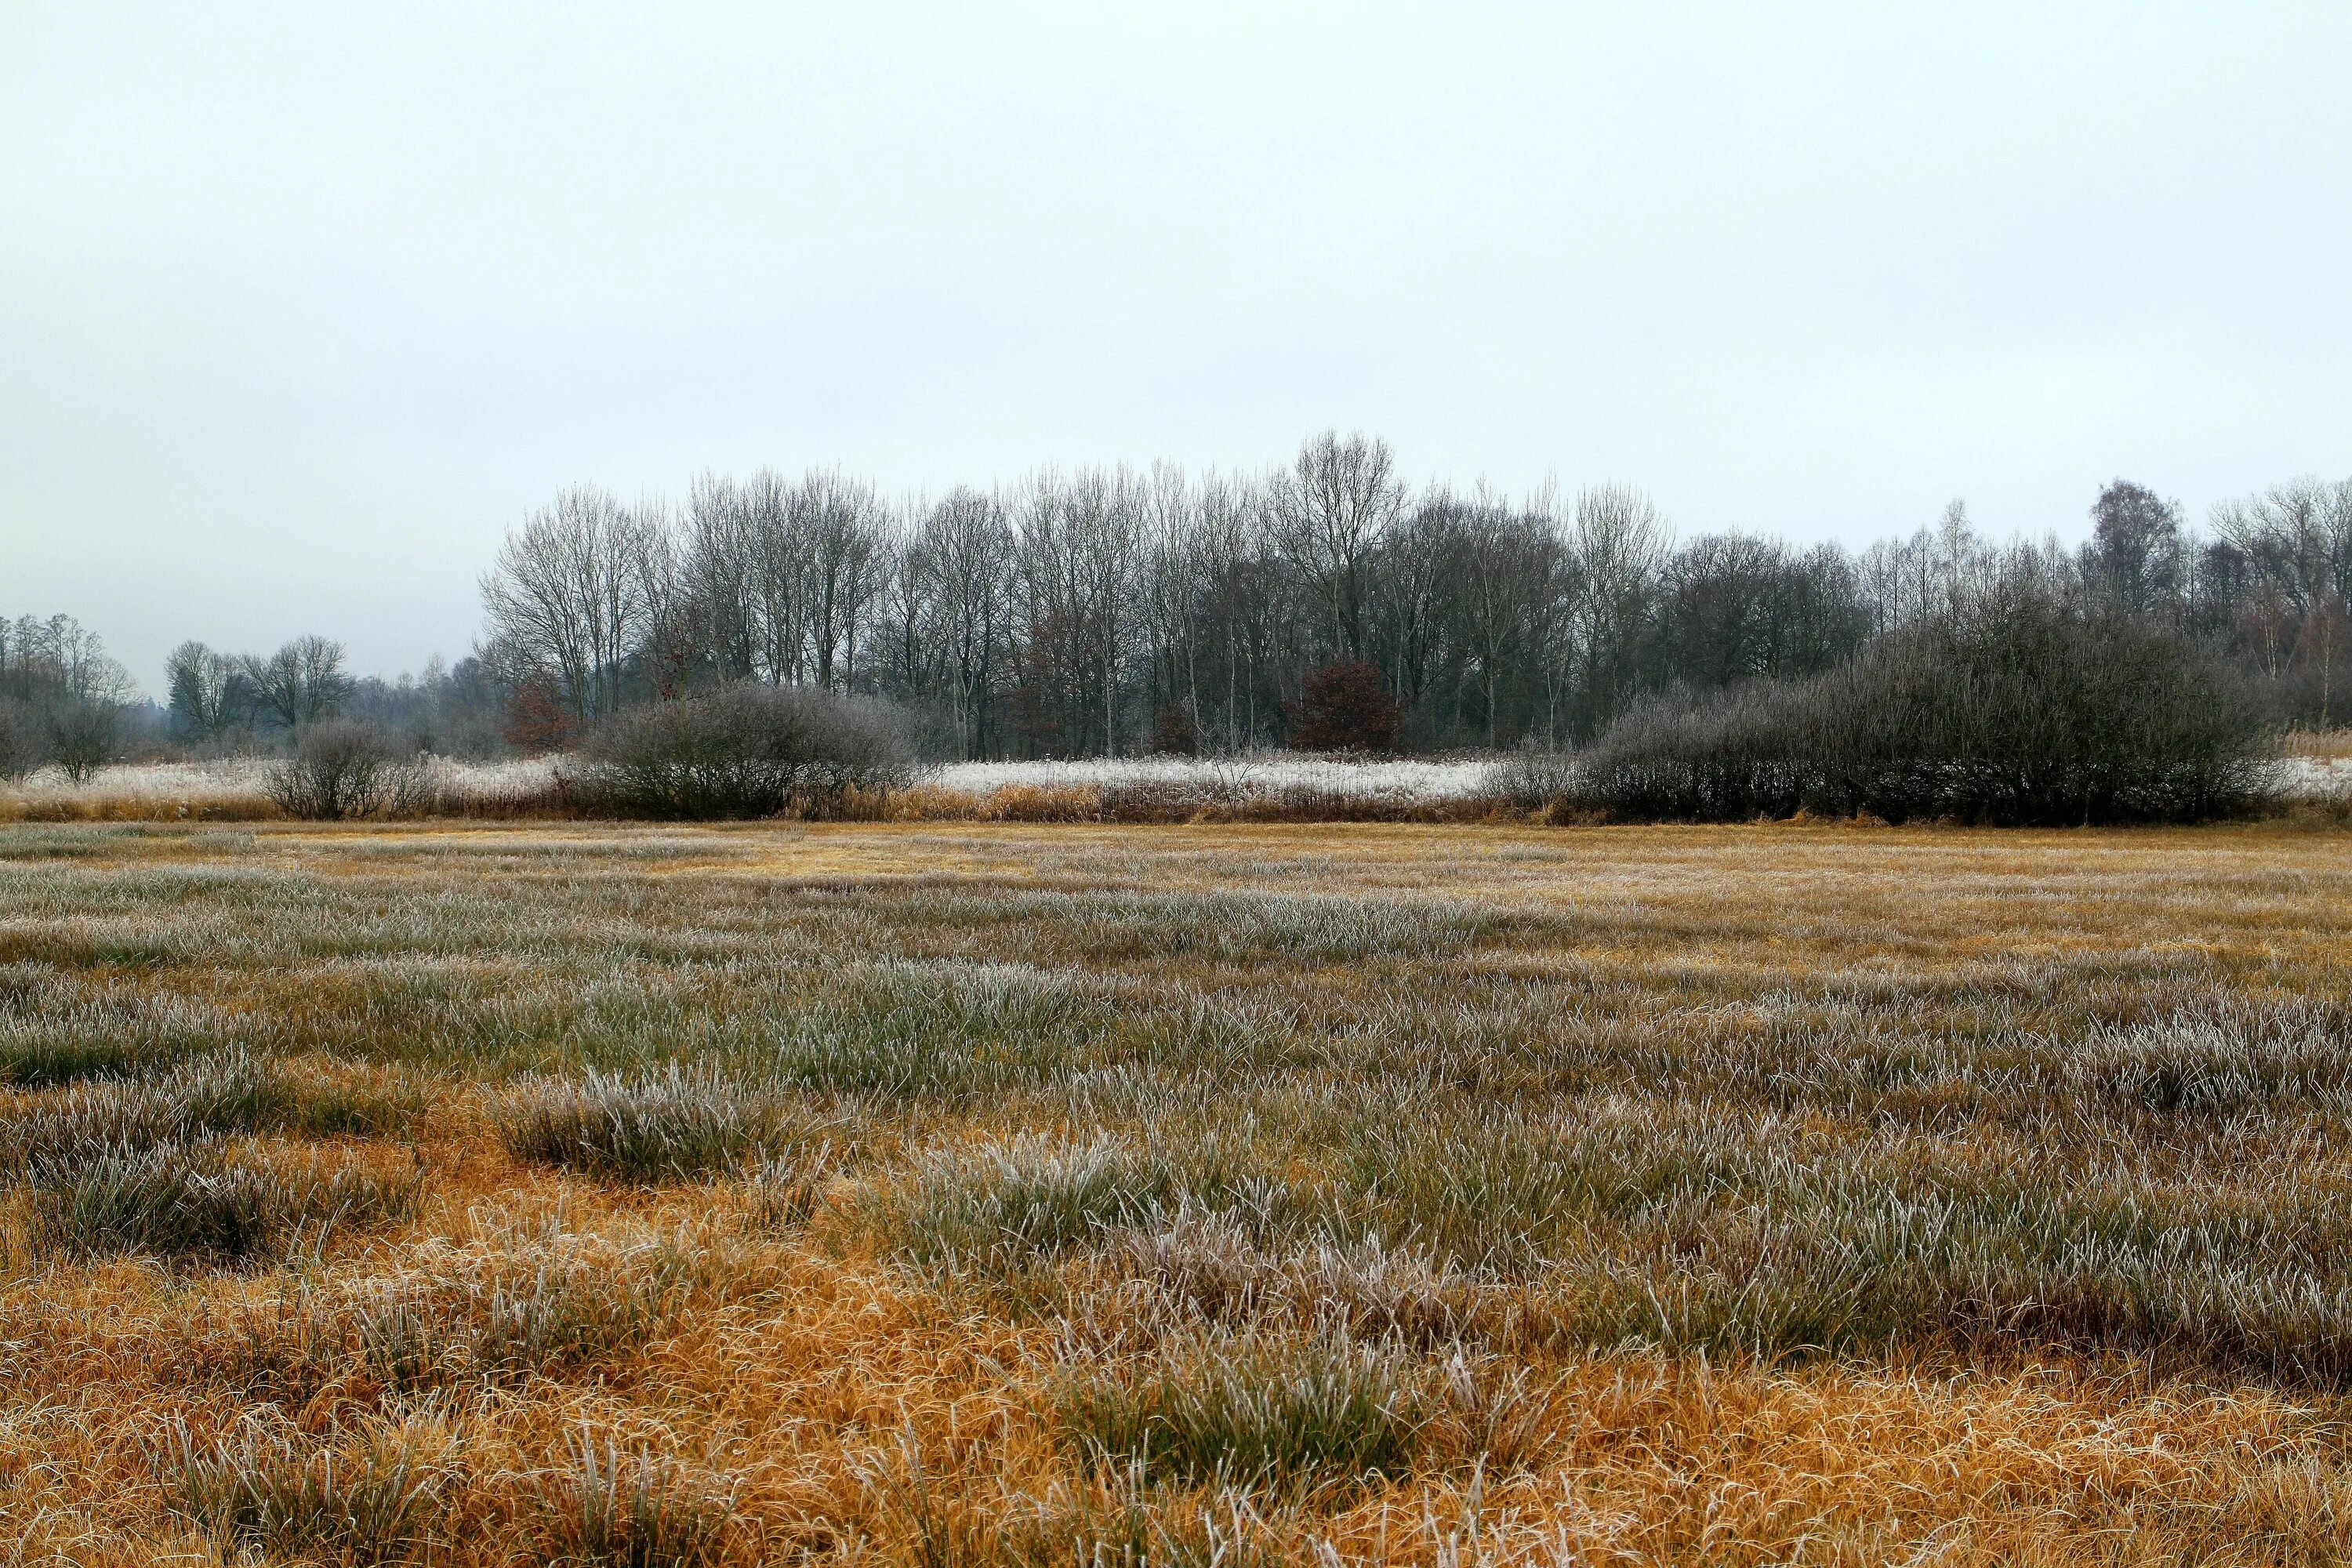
301,308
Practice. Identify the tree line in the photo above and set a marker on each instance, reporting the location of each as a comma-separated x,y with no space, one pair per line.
1118,610
1325,603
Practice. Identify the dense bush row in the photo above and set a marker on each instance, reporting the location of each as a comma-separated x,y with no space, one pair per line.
2031,710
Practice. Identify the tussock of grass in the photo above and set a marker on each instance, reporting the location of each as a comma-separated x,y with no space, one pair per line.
2224,1059
199,1203
38,1061
383,1106
374,1495
634,1510
519,1304
1276,1412
200,1099
787,1189
1493,1189
673,1125
145,1167
1001,1208
54,1030
1212,1270
939,1031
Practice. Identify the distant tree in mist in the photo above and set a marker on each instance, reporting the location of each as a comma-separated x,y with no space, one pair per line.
300,684
64,701
209,693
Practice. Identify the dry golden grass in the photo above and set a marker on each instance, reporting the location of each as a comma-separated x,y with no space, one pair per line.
982,1192
2320,745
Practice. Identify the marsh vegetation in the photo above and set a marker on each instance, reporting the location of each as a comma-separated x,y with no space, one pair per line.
973,1193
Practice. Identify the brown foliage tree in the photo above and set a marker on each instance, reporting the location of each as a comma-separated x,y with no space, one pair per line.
1342,707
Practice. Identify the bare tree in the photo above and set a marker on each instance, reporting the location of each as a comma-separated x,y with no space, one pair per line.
1508,564
718,551
1331,509
2133,559
24,742
62,700
209,692
838,524
1620,544
301,683
572,592
972,548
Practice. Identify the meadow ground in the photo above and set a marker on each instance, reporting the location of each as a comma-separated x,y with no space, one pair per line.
990,1193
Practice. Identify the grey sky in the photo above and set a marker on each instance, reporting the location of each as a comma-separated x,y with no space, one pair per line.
300,308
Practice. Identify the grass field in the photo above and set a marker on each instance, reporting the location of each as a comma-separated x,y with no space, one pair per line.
987,1194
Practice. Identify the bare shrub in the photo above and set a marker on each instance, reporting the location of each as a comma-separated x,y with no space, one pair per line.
748,751
1532,778
344,768
1744,753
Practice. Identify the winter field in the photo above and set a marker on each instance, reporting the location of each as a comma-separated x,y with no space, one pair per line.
2317,771
997,1193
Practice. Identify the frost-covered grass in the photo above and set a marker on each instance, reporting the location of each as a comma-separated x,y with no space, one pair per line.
228,789
236,789
998,1195
1255,775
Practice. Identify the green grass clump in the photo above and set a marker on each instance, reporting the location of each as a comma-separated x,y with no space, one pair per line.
2223,1059
1278,1411
30,1060
198,1202
939,1031
55,1028
199,1099
673,1125
1007,1206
